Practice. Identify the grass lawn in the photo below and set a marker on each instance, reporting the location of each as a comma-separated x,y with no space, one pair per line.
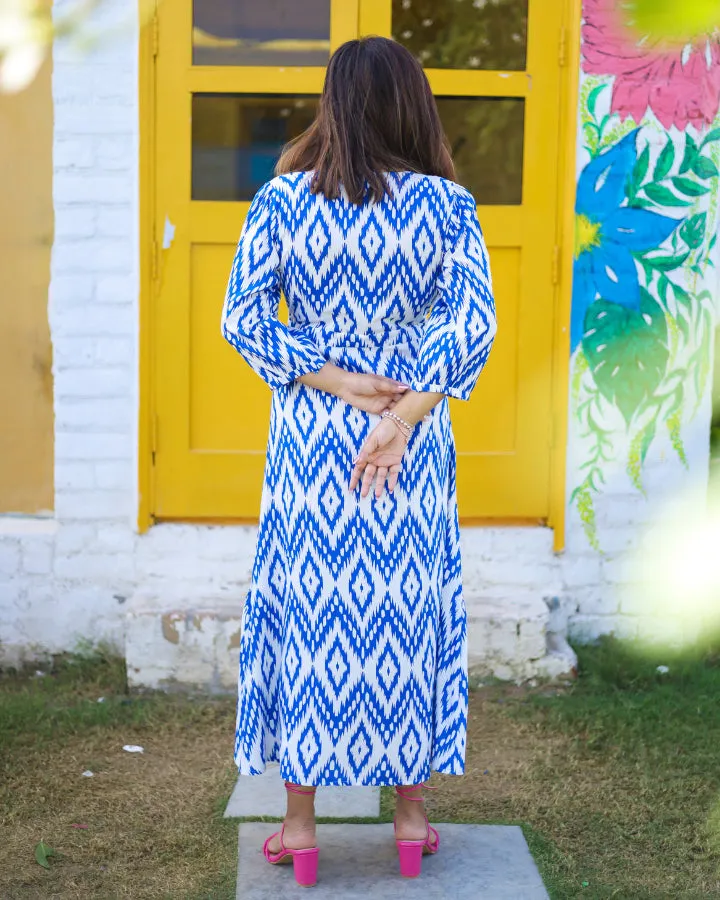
615,781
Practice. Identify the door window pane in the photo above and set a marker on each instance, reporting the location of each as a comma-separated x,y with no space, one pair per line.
261,32
237,139
463,34
486,136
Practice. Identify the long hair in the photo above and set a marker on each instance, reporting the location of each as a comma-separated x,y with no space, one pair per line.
376,114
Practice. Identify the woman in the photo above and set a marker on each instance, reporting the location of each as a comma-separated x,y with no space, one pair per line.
353,666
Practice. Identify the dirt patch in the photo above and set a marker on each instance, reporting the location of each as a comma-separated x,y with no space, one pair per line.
153,827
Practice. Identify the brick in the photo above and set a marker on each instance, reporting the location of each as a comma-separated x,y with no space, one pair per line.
112,351
600,600
580,570
73,85
170,539
619,570
101,566
533,544
76,383
115,221
621,539
9,557
94,320
93,254
74,537
73,187
116,289
476,542
74,222
116,153
119,89
74,446
37,557
518,572
227,542
74,475
531,640
175,566
71,351
93,504
115,475
73,119
73,153
71,290
115,538
100,414
11,595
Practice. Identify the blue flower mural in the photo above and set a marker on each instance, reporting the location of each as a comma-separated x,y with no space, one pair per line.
608,233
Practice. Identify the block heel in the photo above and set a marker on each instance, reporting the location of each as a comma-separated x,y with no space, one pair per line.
411,854
305,866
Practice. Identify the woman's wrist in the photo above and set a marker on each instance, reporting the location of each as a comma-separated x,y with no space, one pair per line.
414,405
329,378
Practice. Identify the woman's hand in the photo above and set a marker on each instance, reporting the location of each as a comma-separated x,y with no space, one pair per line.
381,455
372,393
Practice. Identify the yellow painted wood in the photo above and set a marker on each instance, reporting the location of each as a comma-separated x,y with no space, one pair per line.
563,300
212,411
26,235
476,83
253,80
146,409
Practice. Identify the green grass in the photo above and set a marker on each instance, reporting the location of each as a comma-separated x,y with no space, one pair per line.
154,821
650,744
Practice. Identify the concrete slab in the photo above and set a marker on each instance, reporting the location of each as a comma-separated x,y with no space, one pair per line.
359,862
264,795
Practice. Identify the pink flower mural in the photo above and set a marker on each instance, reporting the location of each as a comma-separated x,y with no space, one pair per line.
679,82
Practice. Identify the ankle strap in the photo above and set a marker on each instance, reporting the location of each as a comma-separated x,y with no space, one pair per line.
401,790
296,789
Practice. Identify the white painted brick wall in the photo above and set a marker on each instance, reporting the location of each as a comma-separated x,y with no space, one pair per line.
73,576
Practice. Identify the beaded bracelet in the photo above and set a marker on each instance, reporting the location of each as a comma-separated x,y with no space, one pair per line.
405,427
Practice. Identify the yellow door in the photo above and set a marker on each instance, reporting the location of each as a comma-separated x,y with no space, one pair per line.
235,81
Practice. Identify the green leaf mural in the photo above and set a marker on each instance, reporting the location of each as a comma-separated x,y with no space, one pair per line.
689,187
664,161
627,351
664,196
705,168
692,230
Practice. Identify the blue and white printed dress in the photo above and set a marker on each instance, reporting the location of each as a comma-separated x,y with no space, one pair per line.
353,651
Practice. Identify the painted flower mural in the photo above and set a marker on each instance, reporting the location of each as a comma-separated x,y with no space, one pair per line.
607,233
646,224
679,80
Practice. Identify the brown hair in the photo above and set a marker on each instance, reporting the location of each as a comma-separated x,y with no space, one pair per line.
376,114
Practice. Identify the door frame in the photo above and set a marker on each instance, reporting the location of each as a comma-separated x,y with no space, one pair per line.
149,250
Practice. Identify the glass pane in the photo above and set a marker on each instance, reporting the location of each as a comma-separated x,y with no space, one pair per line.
261,32
486,136
463,34
237,139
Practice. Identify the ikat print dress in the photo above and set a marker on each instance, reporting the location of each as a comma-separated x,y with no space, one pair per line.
353,648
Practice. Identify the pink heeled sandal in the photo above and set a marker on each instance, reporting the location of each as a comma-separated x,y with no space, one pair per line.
412,852
305,862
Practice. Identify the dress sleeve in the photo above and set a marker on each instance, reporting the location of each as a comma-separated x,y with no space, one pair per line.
277,353
461,326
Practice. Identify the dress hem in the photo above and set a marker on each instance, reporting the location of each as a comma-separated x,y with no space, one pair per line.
323,782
